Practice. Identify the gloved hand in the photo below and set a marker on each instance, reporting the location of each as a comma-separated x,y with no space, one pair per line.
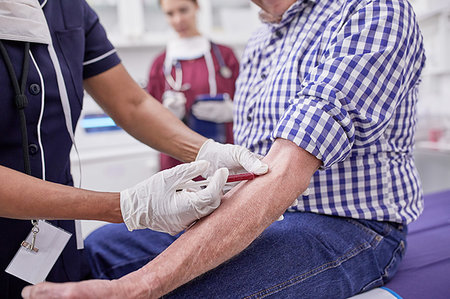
214,111
175,101
156,204
235,158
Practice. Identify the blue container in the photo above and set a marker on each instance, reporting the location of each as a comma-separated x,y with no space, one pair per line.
216,131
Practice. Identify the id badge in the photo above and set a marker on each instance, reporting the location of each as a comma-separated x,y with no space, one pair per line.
33,265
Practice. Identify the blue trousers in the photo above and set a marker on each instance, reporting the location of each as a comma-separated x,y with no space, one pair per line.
304,256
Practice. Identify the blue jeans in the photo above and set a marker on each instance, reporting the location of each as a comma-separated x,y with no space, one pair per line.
304,256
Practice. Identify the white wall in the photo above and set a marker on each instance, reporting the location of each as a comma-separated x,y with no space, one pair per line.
433,138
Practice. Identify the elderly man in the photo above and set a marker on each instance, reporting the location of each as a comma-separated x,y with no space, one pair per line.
327,91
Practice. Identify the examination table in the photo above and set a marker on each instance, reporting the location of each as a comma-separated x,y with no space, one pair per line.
425,270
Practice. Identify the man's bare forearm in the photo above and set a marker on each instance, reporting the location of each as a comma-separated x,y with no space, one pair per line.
244,213
25,197
143,116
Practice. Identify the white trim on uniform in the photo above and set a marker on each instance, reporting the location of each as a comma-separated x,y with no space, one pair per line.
41,114
100,57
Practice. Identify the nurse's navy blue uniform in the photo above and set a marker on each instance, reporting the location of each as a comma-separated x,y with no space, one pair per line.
83,51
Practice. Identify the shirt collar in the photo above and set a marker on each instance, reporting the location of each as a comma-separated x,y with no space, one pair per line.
292,11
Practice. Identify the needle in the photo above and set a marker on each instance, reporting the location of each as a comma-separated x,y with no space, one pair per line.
231,178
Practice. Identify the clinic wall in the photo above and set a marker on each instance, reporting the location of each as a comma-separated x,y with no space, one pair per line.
433,133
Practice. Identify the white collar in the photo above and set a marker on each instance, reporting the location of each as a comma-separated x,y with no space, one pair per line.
23,20
186,49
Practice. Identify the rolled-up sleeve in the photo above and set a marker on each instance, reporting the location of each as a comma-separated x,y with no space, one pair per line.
365,71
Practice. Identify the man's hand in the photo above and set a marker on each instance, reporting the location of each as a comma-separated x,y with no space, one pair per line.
89,289
156,203
233,157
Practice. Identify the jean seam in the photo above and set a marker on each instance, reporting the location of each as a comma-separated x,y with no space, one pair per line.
400,246
333,264
380,281
377,238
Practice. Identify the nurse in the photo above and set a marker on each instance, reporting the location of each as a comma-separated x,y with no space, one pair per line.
49,52
194,77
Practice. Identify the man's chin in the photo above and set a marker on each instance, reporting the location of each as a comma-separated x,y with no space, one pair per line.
266,17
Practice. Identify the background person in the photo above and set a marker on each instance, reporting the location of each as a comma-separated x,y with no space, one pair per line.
332,104
194,77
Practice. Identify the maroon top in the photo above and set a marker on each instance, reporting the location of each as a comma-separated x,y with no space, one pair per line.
195,73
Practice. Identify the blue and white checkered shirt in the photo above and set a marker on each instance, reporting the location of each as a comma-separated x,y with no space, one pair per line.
339,79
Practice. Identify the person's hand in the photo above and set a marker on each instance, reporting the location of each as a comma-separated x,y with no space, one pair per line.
157,204
175,101
214,111
235,158
88,289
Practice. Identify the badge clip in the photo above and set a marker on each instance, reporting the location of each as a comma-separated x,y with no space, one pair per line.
31,246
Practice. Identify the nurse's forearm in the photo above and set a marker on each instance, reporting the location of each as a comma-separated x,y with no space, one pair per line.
157,127
143,116
244,213
25,197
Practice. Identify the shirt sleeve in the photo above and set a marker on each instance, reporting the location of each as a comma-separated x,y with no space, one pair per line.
367,69
100,54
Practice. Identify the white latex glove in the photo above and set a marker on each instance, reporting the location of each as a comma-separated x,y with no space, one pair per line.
175,101
214,111
235,158
156,204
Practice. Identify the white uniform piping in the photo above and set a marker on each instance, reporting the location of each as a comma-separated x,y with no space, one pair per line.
100,57
40,115
68,118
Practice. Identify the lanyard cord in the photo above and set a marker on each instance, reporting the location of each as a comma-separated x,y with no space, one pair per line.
224,70
218,55
20,98
21,102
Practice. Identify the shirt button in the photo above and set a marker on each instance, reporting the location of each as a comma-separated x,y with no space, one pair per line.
279,34
35,89
33,149
249,118
263,76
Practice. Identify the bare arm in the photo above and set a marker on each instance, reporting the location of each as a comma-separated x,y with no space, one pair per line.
141,115
25,197
245,212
